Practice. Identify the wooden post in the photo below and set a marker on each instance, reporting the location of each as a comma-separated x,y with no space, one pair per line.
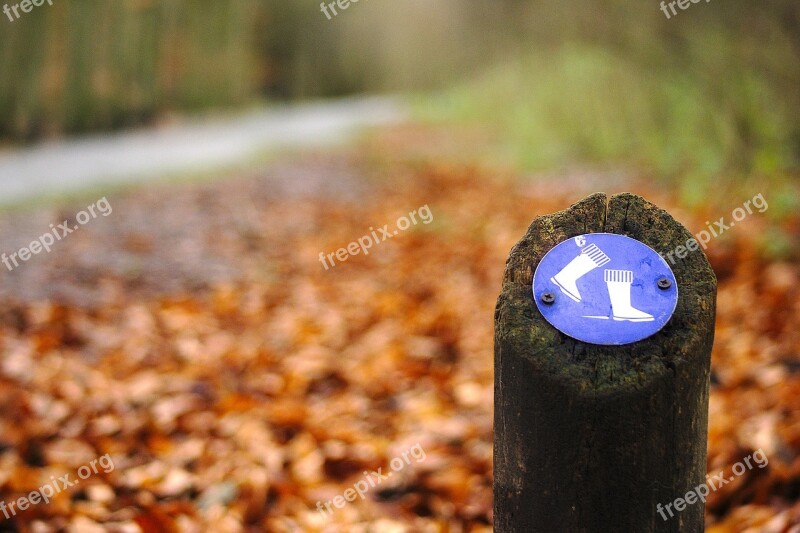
592,438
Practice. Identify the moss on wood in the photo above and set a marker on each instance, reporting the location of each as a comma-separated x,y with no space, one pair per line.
590,437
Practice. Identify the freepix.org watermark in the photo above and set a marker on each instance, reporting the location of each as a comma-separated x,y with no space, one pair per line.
371,480
717,228
712,484
683,5
26,6
376,237
329,8
56,485
56,233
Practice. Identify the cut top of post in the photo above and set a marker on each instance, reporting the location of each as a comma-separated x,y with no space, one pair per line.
594,368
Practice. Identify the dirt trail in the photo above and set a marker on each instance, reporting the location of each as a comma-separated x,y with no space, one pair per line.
131,157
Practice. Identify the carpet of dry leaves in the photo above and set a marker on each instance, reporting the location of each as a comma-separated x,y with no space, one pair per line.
194,336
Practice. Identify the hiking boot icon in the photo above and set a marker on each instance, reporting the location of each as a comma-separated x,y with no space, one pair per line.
619,290
590,258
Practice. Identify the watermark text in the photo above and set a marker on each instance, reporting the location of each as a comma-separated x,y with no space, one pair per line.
26,6
371,480
55,486
56,233
714,230
375,237
713,483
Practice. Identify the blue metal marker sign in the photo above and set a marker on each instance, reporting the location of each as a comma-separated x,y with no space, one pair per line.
604,288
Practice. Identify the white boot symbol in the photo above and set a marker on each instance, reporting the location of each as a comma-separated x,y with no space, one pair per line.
590,258
619,290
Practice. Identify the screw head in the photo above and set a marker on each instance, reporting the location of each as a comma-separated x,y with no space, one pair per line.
664,284
548,298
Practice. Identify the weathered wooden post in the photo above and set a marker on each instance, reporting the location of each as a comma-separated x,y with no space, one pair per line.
592,437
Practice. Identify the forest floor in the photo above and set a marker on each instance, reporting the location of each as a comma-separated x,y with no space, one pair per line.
194,336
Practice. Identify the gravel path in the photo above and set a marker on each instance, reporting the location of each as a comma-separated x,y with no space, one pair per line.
54,168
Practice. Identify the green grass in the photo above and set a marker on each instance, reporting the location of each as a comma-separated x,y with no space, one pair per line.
583,104
715,129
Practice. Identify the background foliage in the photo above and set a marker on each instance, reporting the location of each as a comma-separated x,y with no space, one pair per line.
99,64
715,89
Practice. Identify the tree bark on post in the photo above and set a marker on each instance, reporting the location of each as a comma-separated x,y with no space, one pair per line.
592,438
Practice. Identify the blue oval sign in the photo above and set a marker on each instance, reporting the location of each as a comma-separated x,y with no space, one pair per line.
604,288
